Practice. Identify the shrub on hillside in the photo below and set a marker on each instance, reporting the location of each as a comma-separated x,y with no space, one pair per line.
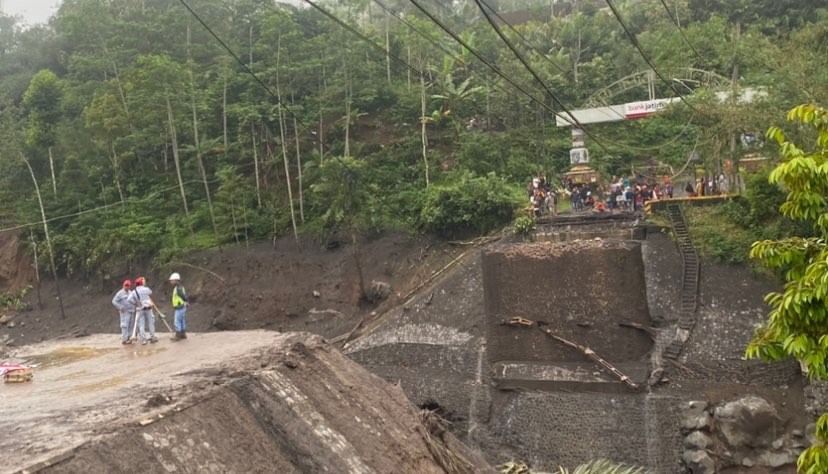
470,204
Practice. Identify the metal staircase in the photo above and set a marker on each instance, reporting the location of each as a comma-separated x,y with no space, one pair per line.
689,296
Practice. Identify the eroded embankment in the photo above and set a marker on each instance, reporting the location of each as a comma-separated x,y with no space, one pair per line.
294,404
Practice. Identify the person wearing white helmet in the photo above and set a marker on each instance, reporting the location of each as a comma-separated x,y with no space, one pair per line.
179,304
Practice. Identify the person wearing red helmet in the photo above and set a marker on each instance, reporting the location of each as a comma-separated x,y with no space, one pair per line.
126,309
141,297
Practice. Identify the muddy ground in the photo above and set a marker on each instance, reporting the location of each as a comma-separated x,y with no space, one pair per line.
283,287
267,402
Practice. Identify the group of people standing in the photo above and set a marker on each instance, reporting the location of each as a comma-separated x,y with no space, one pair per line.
542,197
628,195
135,309
711,186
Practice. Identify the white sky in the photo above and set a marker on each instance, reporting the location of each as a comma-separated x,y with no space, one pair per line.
32,11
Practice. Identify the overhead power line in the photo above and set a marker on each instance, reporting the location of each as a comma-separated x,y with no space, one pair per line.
365,38
243,65
526,40
678,26
485,61
572,119
644,55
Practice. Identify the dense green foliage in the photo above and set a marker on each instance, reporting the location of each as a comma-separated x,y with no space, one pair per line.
148,139
473,203
798,321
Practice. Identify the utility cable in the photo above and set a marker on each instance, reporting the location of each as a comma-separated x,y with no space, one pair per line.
365,38
526,40
243,65
574,121
107,206
401,19
485,61
675,22
644,55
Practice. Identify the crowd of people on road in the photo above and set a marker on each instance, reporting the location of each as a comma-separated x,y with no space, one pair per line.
136,311
628,194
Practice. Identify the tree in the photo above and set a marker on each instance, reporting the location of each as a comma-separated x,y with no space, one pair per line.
348,208
797,324
42,99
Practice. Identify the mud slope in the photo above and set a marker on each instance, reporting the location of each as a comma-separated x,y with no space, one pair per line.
284,288
221,402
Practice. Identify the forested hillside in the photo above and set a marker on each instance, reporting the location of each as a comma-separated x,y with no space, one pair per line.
147,138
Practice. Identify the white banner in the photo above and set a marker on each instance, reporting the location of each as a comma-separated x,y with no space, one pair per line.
634,110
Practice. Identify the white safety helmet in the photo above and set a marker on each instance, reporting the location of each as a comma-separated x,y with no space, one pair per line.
175,277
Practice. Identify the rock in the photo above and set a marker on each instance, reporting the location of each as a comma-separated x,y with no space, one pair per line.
797,433
10,325
655,376
778,443
748,422
799,443
697,406
22,324
700,422
748,462
697,440
378,291
316,294
810,431
776,459
5,319
699,462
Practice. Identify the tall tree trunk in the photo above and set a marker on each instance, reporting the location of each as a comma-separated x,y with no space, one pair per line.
488,107
36,268
424,135
52,170
246,225
166,154
347,112
358,263
284,145
116,169
324,74
387,48
224,114
233,217
408,70
197,141
321,135
735,179
177,160
48,239
256,163
298,166
250,46
121,92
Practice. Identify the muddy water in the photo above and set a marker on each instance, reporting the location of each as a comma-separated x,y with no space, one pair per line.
65,355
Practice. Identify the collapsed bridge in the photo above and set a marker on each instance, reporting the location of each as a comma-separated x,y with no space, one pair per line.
614,286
